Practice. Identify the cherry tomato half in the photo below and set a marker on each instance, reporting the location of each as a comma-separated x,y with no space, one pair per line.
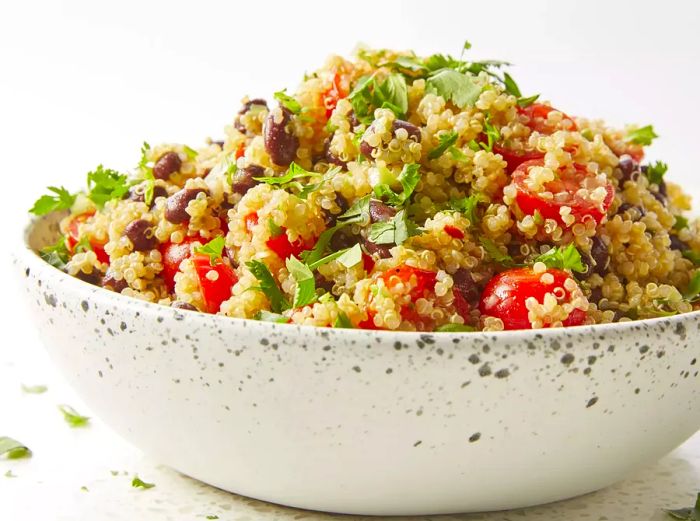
515,158
505,294
73,237
214,281
537,114
572,187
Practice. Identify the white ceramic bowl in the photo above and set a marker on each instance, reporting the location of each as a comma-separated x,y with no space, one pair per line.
372,422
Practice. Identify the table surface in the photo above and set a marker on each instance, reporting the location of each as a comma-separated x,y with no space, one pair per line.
86,473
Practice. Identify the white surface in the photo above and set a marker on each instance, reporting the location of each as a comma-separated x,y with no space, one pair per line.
83,83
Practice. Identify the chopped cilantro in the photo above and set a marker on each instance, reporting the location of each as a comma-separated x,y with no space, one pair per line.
357,213
305,292
370,94
343,321
351,256
454,86
642,136
139,483
267,316
72,417
12,449
191,153
567,258
213,249
396,231
268,285
495,253
293,172
526,102
680,222
315,254
492,134
454,328
511,86
655,173
686,514
692,256
275,229
34,389
693,290
105,184
457,154
57,254
143,162
408,178
445,141
467,206
288,101
61,200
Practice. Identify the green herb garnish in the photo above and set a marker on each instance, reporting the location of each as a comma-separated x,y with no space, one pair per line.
692,256
693,290
565,258
642,136
105,184
34,389
57,254
191,153
408,178
351,256
139,483
686,514
61,200
72,417
467,206
12,449
526,102
655,173
445,141
288,101
492,134
370,94
680,222
213,249
293,172
305,292
495,253
343,321
454,86
268,285
396,231
455,328
267,316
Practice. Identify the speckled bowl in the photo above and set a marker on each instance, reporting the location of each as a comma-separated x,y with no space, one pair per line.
372,422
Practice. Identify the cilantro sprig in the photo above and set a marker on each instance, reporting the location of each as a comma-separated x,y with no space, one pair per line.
655,173
61,199
468,206
445,141
642,136
370,93
454,86
566,258
213,249
408,178
268,285
105,184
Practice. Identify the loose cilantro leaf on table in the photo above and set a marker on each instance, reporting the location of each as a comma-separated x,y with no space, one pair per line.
686,514
454,86
642,136
288,101
57,254
567,258
105,184
139,483
268,285
72,417
455,328
655,173
61,199
495,253
34,389
408,178
305,292
213,249
445,141
12,449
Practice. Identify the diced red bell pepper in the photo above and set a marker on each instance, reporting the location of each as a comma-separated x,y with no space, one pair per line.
454,232
282,246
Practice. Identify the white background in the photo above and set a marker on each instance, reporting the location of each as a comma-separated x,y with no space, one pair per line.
85,82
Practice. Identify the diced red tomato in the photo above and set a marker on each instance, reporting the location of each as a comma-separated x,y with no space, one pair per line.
424,279
173,254
505,294
251,220
566,189
537,114
333,94
454,232
461,305
369,323
367,262
216,289
240,151
282,246
73,237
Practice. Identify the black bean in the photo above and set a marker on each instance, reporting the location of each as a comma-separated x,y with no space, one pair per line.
596,295
676,243
465,285
598,260
244,109
330,157
230,254
635,212
379,250
413,131
322,282
176,206
343,239
629,168
659,197
112,283
352,119
331,218
93,278
280,143
167,164
380,212
662,188
136,193
179,304
243,178
141,234
366,149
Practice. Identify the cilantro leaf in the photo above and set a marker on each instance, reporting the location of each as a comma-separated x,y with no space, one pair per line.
293,172
143,162
105,184
642,136
511,86
212,516
692,256
72,417
61,200
393,94
139,483
467,206
370,94
213,249
305,292
351,256
495,253
268,285
693,289
13,449
34,389
454,86
191,153
455,328
526,102
567,258
396,231
343,321
288,101
408,178
655,173
357,213
267,316
57,254
680,222
492,134
686,514
445,141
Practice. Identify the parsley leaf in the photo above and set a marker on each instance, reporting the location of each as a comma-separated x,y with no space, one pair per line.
445,141
642,136
343,321
13,449
454,86
61,200
72,417
492,134
212,249
455,328
495,253
288,101
655,173
267,316
139,483
105,184
467,206
34,389
396,231
278,302
567,258
686,514
305,292
693,289
409,177
57,254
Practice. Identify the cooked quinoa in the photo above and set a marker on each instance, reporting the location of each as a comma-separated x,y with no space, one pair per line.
397,192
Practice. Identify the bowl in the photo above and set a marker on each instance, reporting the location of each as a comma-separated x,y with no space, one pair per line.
371,422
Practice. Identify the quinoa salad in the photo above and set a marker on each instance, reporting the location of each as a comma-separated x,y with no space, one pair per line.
397,192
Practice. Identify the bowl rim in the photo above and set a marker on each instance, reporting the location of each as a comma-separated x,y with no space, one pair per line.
29,258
